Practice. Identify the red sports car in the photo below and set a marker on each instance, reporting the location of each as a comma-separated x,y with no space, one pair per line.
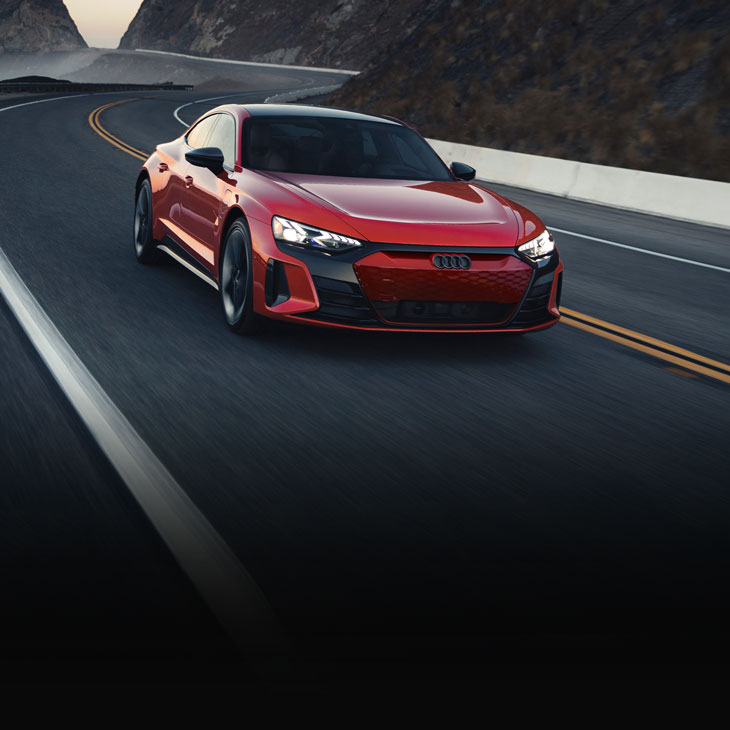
339,219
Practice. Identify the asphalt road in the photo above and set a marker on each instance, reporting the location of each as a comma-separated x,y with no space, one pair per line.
412,506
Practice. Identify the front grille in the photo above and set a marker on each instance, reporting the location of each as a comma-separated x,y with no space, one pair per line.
534,309
341,302
411,276
428,312
407,287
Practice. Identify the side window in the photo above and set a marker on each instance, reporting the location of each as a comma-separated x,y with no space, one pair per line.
224,137
198,135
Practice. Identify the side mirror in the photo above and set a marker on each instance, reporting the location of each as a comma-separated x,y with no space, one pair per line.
462,171
210,157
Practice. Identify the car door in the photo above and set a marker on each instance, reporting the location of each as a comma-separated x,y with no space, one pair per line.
206,192
182,180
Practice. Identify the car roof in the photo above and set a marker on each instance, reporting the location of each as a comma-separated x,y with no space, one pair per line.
302,110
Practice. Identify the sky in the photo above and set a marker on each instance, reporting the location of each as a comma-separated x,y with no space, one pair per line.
102,22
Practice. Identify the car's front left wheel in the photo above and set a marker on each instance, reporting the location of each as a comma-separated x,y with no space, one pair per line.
145,247
236,280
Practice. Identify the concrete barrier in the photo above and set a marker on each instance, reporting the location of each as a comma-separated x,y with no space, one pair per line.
671,196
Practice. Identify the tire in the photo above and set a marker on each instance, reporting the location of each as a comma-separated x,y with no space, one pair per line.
145,247
236,281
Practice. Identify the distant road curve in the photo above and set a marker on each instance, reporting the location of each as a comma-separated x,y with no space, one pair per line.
288,67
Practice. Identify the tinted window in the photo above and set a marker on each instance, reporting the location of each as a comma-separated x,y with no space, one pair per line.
340,147
199,133
223,136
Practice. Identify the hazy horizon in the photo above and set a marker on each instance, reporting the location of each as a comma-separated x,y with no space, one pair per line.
102,25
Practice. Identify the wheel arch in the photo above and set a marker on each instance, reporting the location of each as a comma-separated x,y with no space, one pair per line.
143,175
234,214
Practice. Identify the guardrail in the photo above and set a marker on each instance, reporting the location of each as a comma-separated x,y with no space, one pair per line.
60,86
671,196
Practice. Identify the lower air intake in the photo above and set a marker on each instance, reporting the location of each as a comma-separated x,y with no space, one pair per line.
452,313
341,302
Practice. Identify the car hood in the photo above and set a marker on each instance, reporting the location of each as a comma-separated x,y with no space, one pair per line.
403,211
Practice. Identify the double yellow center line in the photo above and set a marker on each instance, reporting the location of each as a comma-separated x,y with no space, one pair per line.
635,340
109,137
648,345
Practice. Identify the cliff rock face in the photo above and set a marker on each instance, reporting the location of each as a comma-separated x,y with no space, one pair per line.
642,84
344,34
29,26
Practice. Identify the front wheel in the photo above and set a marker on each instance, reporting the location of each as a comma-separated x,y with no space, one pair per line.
236,281
145,247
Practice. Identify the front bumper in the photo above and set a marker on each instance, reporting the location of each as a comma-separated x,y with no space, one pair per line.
397,287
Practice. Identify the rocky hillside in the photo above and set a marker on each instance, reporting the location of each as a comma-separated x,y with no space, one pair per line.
641,84
29,26
337,34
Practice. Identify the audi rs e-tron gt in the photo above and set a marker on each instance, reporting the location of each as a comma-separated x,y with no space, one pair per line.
338,219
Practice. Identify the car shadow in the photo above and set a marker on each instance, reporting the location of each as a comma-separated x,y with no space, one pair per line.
290,339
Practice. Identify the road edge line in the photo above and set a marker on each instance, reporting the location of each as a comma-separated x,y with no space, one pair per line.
219,577
640,250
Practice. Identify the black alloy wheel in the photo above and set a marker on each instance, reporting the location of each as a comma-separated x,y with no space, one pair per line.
236,280
145,247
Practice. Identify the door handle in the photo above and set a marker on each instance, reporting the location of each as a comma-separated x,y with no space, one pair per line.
188,181
162,167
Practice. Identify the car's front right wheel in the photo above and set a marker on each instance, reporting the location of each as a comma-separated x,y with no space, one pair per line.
236,281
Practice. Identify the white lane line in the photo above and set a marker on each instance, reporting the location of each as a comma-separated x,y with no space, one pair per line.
41,101
176,113
71,96
640,250
225,585
202,101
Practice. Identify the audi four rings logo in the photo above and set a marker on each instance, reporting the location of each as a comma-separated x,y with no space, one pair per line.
447,261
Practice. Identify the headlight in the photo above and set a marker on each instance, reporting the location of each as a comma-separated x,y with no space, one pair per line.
538,247
306,236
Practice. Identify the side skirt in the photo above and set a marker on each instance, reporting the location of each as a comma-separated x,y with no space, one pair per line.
182,257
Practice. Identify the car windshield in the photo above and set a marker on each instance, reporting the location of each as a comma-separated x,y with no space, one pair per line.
339,147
